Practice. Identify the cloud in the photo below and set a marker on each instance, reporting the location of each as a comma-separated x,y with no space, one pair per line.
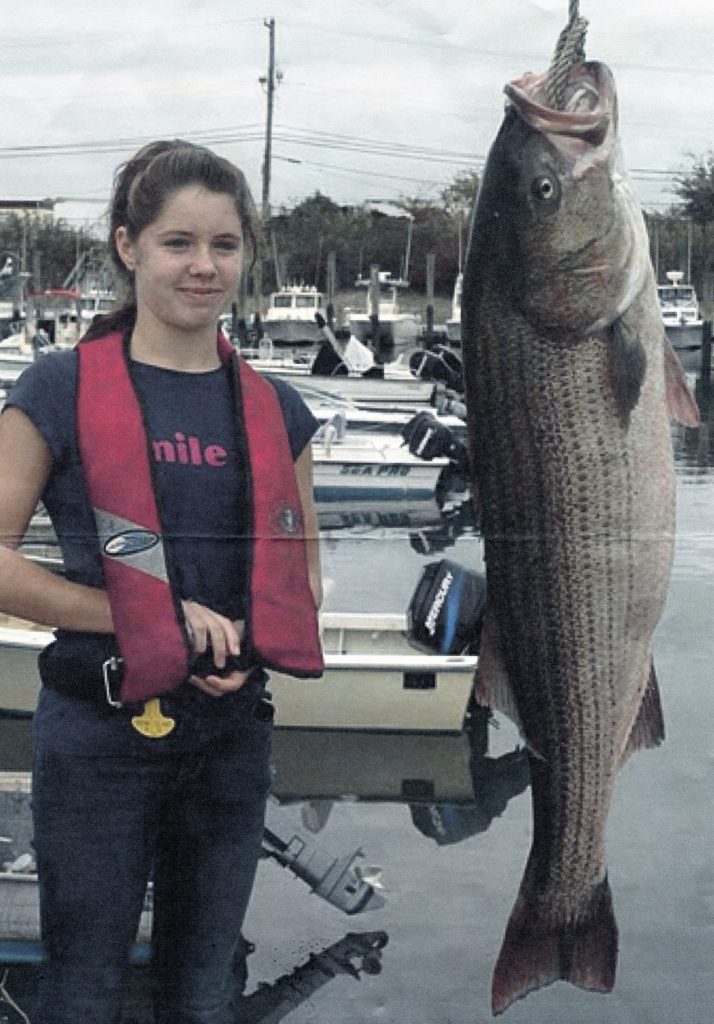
409,72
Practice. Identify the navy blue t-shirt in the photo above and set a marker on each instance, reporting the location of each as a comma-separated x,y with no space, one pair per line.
190,425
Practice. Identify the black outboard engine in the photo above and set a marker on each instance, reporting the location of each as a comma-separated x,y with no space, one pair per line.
445,614
440,364
327,362
429,439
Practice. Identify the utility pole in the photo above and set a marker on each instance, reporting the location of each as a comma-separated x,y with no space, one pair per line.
269,82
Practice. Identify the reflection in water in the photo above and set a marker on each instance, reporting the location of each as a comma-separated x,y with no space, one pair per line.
454,523
453,789
342,881
353,955
337,879
356,954
694,447
429,525
495,781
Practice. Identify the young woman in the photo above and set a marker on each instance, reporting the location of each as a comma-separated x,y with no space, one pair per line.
179,483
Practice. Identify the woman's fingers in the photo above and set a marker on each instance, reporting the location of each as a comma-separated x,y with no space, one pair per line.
206,628
218,686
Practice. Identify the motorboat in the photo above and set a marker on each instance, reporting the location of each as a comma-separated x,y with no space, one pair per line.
19,350
290,318
453,323
397,388
376,420
56,312
373,679
678,302
399,332
16,350
369,467
679,308
52,320
94,302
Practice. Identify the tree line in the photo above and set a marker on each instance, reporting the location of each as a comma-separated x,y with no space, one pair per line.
297,242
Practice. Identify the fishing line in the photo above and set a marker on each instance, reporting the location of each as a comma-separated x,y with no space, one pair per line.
569,50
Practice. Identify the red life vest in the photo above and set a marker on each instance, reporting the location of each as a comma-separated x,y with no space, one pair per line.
281,619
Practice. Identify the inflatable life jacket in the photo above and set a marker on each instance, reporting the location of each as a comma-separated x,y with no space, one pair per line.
281,629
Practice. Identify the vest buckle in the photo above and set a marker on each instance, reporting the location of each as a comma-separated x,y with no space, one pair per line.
112,671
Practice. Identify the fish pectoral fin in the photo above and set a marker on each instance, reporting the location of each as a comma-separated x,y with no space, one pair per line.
492,686
681,402
628,363
648,728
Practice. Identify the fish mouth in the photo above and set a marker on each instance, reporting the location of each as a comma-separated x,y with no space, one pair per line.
589,110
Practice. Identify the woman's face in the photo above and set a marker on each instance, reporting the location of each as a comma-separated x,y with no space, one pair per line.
187,263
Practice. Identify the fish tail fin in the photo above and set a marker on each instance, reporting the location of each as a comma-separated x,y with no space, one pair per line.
535,954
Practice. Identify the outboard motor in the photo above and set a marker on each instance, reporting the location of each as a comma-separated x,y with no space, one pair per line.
445,614
439,364
327,362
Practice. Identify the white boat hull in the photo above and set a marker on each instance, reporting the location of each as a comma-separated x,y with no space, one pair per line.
399,389
345,471
292,331
403,330
373,679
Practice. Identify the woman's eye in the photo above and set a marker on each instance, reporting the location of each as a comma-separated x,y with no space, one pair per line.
176,243
228,245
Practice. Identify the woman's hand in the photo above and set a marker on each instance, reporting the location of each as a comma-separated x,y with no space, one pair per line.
207,629
218,686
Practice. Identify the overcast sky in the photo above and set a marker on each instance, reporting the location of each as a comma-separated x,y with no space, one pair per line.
377,99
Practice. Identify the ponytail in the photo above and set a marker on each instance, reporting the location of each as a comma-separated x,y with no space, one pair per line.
121,319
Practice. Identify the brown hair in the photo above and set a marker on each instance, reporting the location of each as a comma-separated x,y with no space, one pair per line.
141,187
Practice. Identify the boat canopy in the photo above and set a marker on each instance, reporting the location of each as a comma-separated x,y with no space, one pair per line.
677,295
297,297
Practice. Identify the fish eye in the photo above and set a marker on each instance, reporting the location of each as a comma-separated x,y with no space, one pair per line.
544,188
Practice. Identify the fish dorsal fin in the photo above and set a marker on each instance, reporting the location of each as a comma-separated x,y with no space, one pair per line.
681,402
648,729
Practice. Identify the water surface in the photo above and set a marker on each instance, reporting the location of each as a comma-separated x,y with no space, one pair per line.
447,819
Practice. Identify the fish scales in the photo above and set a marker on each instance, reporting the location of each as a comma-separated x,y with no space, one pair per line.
561,614
568,380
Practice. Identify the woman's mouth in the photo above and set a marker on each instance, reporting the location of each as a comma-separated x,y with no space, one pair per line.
201,293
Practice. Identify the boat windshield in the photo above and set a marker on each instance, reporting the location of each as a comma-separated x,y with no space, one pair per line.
93,304
282,301
306,301
681,295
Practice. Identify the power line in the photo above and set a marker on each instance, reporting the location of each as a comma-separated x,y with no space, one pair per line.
357,171
295,136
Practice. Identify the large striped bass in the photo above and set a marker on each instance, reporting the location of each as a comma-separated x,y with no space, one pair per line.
570,387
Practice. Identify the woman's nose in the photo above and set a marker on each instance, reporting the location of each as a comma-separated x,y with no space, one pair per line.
202,262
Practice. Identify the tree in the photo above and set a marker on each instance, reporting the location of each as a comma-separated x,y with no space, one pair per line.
435,231
696,190
302,239
459,197
360,236
48,248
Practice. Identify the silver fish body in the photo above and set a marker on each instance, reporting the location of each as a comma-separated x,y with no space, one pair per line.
569,378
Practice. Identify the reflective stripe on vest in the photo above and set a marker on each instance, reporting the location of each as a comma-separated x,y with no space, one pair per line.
281,620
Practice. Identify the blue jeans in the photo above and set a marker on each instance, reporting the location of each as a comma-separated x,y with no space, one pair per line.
112,809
